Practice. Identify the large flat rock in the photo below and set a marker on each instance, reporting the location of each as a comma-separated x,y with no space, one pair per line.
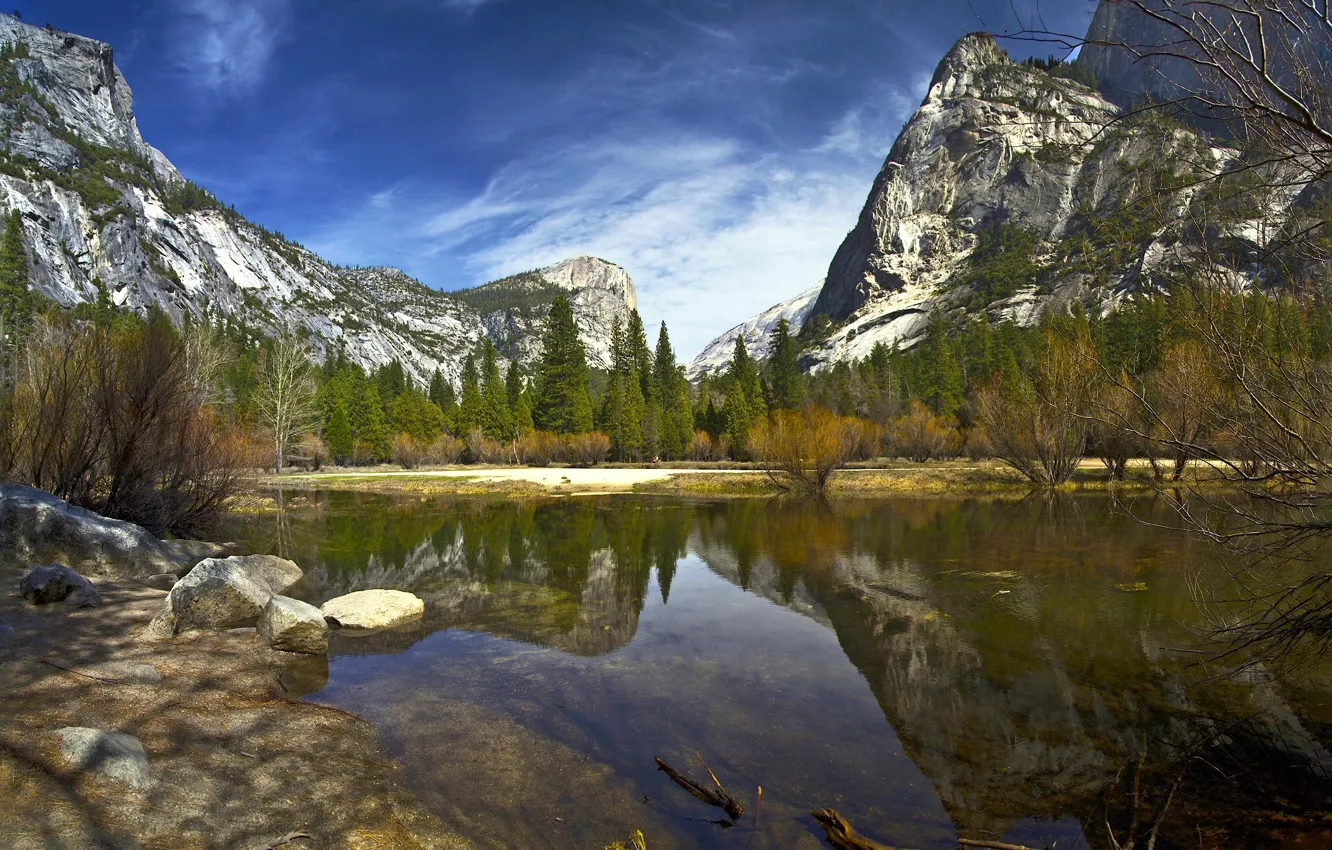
373,609
36,527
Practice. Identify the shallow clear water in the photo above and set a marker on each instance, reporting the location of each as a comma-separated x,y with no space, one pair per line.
928,668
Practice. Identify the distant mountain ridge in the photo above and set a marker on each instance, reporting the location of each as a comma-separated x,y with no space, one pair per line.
101,206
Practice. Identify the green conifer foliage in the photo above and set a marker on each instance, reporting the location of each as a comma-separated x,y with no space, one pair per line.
788,388
496,416
16,299
671,389
563,401
338,435
744,397
520,408
469,405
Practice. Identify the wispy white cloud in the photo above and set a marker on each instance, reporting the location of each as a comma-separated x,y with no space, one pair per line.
225,45
711,230
467,6
716,217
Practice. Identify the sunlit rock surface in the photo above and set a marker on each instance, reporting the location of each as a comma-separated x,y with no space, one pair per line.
994,142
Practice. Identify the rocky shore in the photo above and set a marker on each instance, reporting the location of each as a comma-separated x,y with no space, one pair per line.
139,710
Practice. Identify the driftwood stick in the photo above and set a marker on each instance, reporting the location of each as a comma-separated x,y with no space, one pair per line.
76,672
286,839
718,798
992,845
842,835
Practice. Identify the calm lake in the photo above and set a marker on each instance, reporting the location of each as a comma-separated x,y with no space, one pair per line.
929,669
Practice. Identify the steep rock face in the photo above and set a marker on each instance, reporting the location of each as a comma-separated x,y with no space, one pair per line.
758,333
513,309
995,147
1152,70
100,205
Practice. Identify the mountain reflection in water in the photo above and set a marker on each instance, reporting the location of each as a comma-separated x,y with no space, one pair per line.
1017,665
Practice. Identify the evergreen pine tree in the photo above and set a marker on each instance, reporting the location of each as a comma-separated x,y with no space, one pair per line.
788,390
441,391
940,376
338,435
640,356
520,410
16,300
676,429
564,400
744,397
469,404
496,417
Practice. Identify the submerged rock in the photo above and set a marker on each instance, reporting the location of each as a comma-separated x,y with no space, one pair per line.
220,593
114,755
373,609
37,527
294,626
57,583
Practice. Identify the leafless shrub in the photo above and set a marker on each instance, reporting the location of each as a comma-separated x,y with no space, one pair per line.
700,447
921,435
311,453
118,419
540,448
1038,424
800,450
587,449
408,451
445,449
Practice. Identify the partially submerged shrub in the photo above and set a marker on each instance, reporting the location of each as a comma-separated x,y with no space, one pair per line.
802,448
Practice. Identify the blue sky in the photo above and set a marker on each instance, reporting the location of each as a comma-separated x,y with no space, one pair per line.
717,149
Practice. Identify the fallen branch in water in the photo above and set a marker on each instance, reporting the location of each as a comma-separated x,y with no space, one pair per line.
718,798
993,845
842,835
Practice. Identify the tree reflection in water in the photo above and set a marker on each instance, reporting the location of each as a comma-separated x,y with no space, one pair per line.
1016,665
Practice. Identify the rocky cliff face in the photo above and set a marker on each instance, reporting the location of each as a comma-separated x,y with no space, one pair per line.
101,206
514,308
757,332
1000,157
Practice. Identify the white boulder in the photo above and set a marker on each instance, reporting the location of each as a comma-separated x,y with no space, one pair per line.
373,609
294,626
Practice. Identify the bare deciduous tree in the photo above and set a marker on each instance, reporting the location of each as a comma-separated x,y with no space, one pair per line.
285,397
1038,425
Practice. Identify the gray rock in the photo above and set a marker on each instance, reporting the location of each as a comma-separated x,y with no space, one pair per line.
278,573
114,755
37,527
58,583
221,593
294,626
162,581
373,609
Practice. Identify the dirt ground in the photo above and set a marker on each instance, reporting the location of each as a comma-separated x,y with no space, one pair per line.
236,760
